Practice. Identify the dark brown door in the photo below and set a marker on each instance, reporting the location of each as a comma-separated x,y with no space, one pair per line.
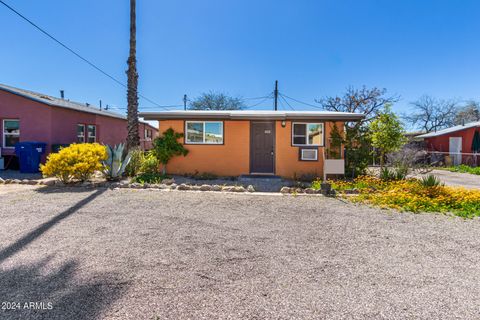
262,150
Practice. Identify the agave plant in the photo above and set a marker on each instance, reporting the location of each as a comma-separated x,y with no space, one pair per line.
115,164
431,181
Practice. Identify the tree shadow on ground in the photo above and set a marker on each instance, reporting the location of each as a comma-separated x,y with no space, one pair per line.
67,189
56,292
41,229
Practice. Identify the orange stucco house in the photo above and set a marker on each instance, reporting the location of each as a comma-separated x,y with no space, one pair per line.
233,143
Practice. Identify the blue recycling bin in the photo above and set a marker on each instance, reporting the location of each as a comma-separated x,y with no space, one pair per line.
29,154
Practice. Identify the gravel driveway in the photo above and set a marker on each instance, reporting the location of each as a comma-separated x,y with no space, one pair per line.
143,254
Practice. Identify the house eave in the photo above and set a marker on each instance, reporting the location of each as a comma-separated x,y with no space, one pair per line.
225,115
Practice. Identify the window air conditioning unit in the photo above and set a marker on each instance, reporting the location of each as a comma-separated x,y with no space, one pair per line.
309,154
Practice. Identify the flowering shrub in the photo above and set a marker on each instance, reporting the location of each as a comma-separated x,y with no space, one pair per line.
75,162
412,195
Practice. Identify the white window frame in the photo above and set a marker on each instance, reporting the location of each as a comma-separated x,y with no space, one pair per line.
4,134
88,133
147,136
84,131
306,134
203,142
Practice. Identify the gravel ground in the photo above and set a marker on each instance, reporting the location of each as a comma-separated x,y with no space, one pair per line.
144,254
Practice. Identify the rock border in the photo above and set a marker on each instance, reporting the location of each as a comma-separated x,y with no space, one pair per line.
167,184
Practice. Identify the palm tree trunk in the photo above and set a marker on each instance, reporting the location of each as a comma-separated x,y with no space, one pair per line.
133,140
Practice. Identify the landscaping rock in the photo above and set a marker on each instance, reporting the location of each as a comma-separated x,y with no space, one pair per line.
239,189
114,185
228,188
299,190
135,185
173,186
205,187
310,191
17,181
285,190
32,182
216,187
250,188
8,181
48,182
2,181
86,184
195,188
123,184
24,181
183,186
168,181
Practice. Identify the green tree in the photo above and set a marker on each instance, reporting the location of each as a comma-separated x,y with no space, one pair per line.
357,144
167,146
336,140
387,133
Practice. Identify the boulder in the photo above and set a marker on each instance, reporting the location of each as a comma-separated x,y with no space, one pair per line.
310,191
48,182
17,181
285,190
205,187
250,188
183,186
168,181
239,189
216,187
228,188
2,181
135,185
173,186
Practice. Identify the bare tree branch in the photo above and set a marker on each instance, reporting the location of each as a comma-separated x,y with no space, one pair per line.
430,114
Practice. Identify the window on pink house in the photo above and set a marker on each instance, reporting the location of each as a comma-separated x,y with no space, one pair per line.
11,132
92,133
80,133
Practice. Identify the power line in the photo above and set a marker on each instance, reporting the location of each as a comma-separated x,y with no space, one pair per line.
93,65
266,98
305,103
288,104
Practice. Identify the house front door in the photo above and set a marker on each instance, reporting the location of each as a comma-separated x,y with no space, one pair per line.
262,147
455,150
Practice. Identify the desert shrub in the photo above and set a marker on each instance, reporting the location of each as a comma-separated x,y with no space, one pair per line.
133,167
149,164
392,174
149,177
431,181
75,162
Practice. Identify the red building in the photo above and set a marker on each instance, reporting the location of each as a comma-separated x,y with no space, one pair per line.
31,116
456,142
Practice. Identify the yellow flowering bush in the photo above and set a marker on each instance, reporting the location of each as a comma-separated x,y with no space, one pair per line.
75,162
411,195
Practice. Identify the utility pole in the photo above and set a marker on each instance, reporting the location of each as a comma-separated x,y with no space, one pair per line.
184,102
276,95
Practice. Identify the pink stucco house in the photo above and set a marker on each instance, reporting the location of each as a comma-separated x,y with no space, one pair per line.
31,116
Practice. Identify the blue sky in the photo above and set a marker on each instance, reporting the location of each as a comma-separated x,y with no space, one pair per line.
314,48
